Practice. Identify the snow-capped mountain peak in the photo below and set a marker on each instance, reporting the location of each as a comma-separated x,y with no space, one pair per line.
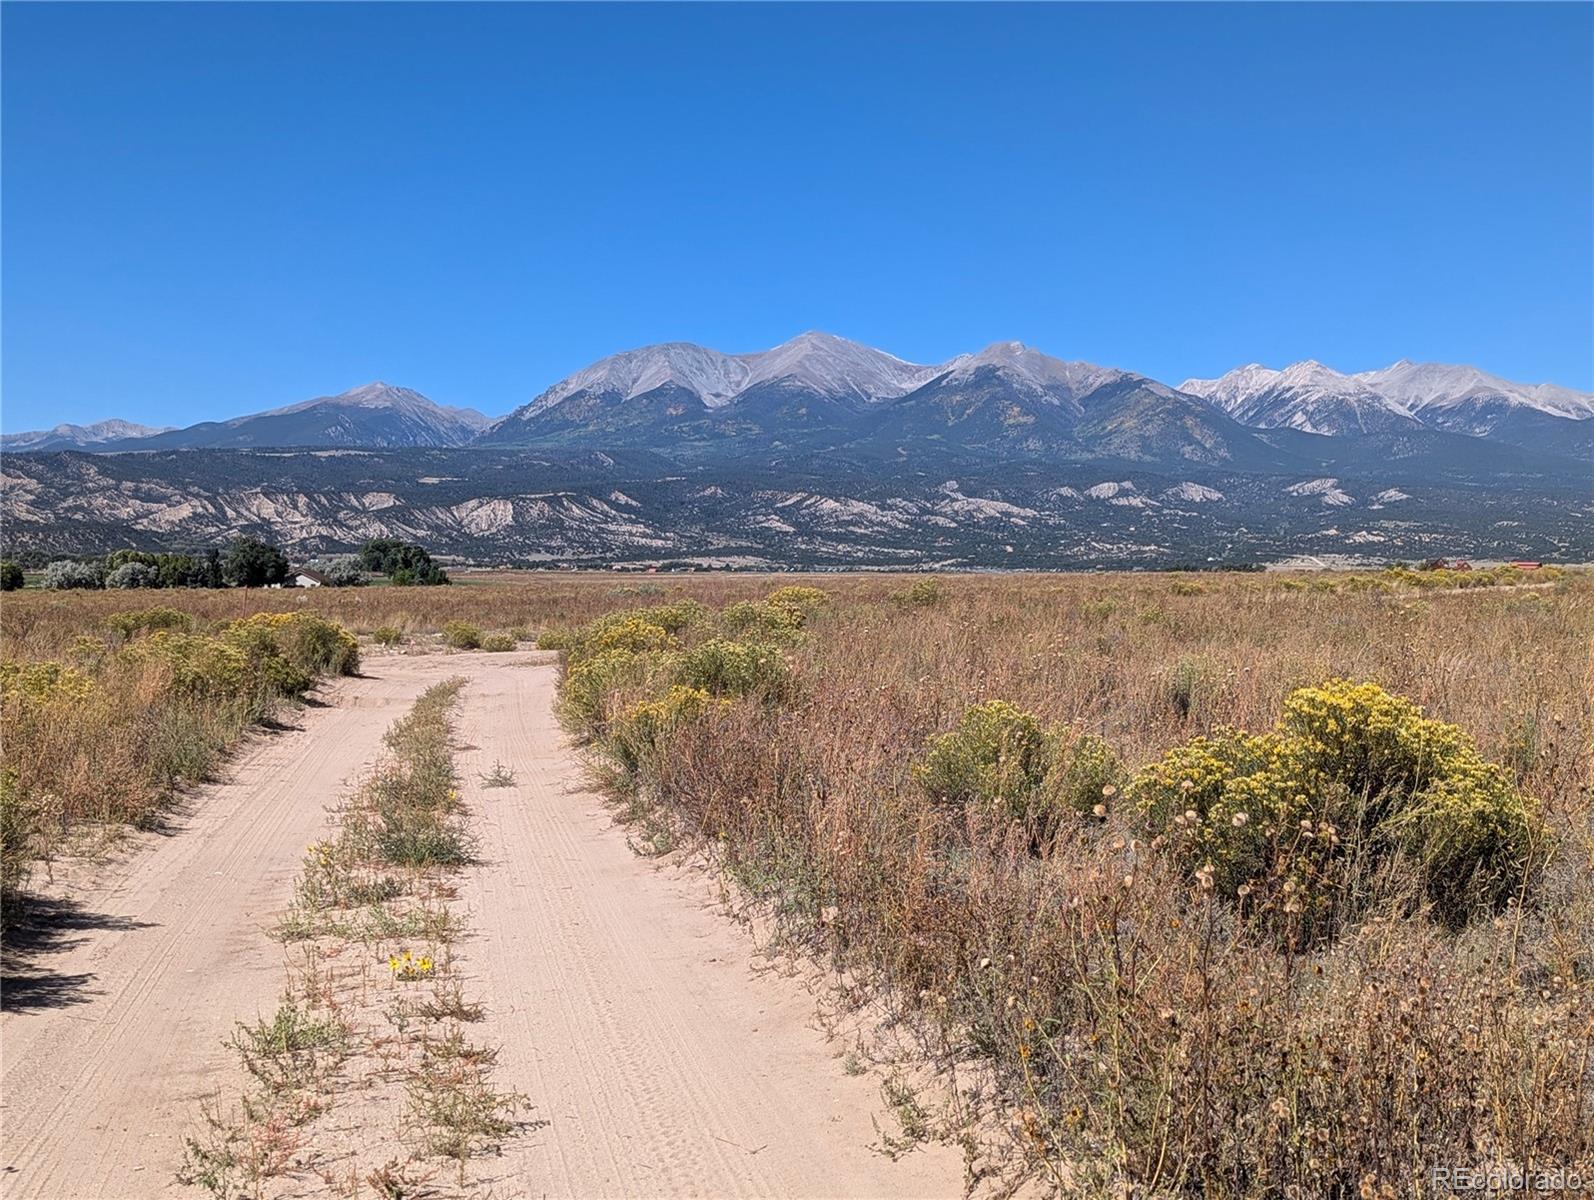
835,366
1436,386
1316,398
714,377
1040,372
822,362
1305,395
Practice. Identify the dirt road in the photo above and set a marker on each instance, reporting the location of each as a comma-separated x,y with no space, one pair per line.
624,1008
115,1012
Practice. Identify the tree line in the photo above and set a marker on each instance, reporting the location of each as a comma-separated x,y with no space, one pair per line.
245,562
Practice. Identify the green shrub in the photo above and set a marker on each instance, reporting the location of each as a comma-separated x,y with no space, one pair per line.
802,602
672,618
41,683
641,731
998,754
725,668
1294,822
20,818
11,577
132,575
632,633
1085,775
66,575
1187,683
413,836
587,684
758,618
641,630
497,643
139,620
386,635
200,665
462,635
922,593
309,642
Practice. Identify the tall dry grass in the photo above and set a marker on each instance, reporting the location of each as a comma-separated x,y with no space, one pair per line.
1145,1038
131,708
41,624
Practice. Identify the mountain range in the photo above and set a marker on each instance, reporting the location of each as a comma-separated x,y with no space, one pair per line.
80,437
818,392
823,451
1406,396
376,415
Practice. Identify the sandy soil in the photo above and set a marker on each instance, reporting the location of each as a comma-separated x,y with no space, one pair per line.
658,1062
116,1006
626,1009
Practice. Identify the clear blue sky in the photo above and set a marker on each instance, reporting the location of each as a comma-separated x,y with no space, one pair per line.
215,208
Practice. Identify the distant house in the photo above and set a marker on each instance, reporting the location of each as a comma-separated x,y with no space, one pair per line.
304,577
1527,566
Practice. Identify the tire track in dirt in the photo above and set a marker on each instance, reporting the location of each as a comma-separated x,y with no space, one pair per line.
626,1009
115,1014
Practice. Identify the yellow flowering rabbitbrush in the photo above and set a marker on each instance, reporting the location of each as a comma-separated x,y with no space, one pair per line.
1293,822
726,668
642,730
42,683
308,642
997,753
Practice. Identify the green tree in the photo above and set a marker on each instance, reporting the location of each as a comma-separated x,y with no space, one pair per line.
249,562
10,576
120,558
179,570
403,562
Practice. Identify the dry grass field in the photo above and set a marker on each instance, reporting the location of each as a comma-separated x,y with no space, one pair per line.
1319,961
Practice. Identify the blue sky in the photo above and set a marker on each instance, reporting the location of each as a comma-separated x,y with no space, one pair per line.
211,209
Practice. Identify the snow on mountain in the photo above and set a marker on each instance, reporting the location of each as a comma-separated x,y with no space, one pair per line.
1425,387
1317,399
1306,395
1230,390
66,437
714,377
819,362
834,366
1029,368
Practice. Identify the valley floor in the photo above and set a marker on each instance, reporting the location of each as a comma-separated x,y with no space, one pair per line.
655,1061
